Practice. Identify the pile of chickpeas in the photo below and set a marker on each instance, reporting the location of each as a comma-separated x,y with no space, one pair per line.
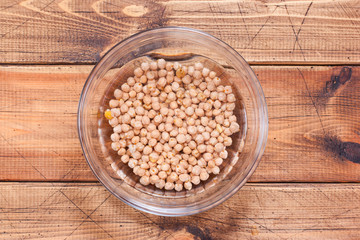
172,123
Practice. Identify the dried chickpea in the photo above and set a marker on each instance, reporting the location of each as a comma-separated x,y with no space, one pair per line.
167,112
188,185
115,137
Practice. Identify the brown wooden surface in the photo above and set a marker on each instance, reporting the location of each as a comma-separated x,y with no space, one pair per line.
309,125
48,48
75,31
258,211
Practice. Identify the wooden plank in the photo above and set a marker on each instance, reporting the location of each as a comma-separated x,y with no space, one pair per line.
314,132
257,211
271,31
38,123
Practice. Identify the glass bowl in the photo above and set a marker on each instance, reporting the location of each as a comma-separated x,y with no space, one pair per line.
183,45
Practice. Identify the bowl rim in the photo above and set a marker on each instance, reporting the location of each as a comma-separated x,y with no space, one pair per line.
263,125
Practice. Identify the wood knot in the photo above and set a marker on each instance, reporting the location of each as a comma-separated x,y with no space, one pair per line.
135,10
347,150
334,86
338,80
345,75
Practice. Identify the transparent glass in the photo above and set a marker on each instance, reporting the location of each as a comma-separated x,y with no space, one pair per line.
184,45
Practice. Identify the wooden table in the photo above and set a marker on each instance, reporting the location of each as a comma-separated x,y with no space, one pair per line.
306,55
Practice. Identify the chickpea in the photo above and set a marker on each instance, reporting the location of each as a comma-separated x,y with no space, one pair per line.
190,70
173,105
234,127
192,160
167,89
169,186
162,73
160,184
201,148
209,113
178,122
143,80
150,75
132,163
164,111
218,161
118,94
172,142
165,136
189,111
152,142
154,179
147,99
168,127
188,185
145,66
192,130
207,106
131,112
180,138
158,119
174,133
215,133
176,66
115,112
211,87
204,176
216,170
212,124
213,141
192,145
144,180
206,136
125,96
223,154
184,177
195,180
201,162
196,170
173,177
138,125
153,170
175,86
125,88
227,141
178,147
199,139
178,187
207,156
113,103
155,105
162,175
121,152
211,164
145,121
199,112
125,158
114,122
188,138
161,63
230,106
202,86
151,127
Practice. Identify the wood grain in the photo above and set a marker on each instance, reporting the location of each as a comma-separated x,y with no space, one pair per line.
257,211
270,31
314,132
